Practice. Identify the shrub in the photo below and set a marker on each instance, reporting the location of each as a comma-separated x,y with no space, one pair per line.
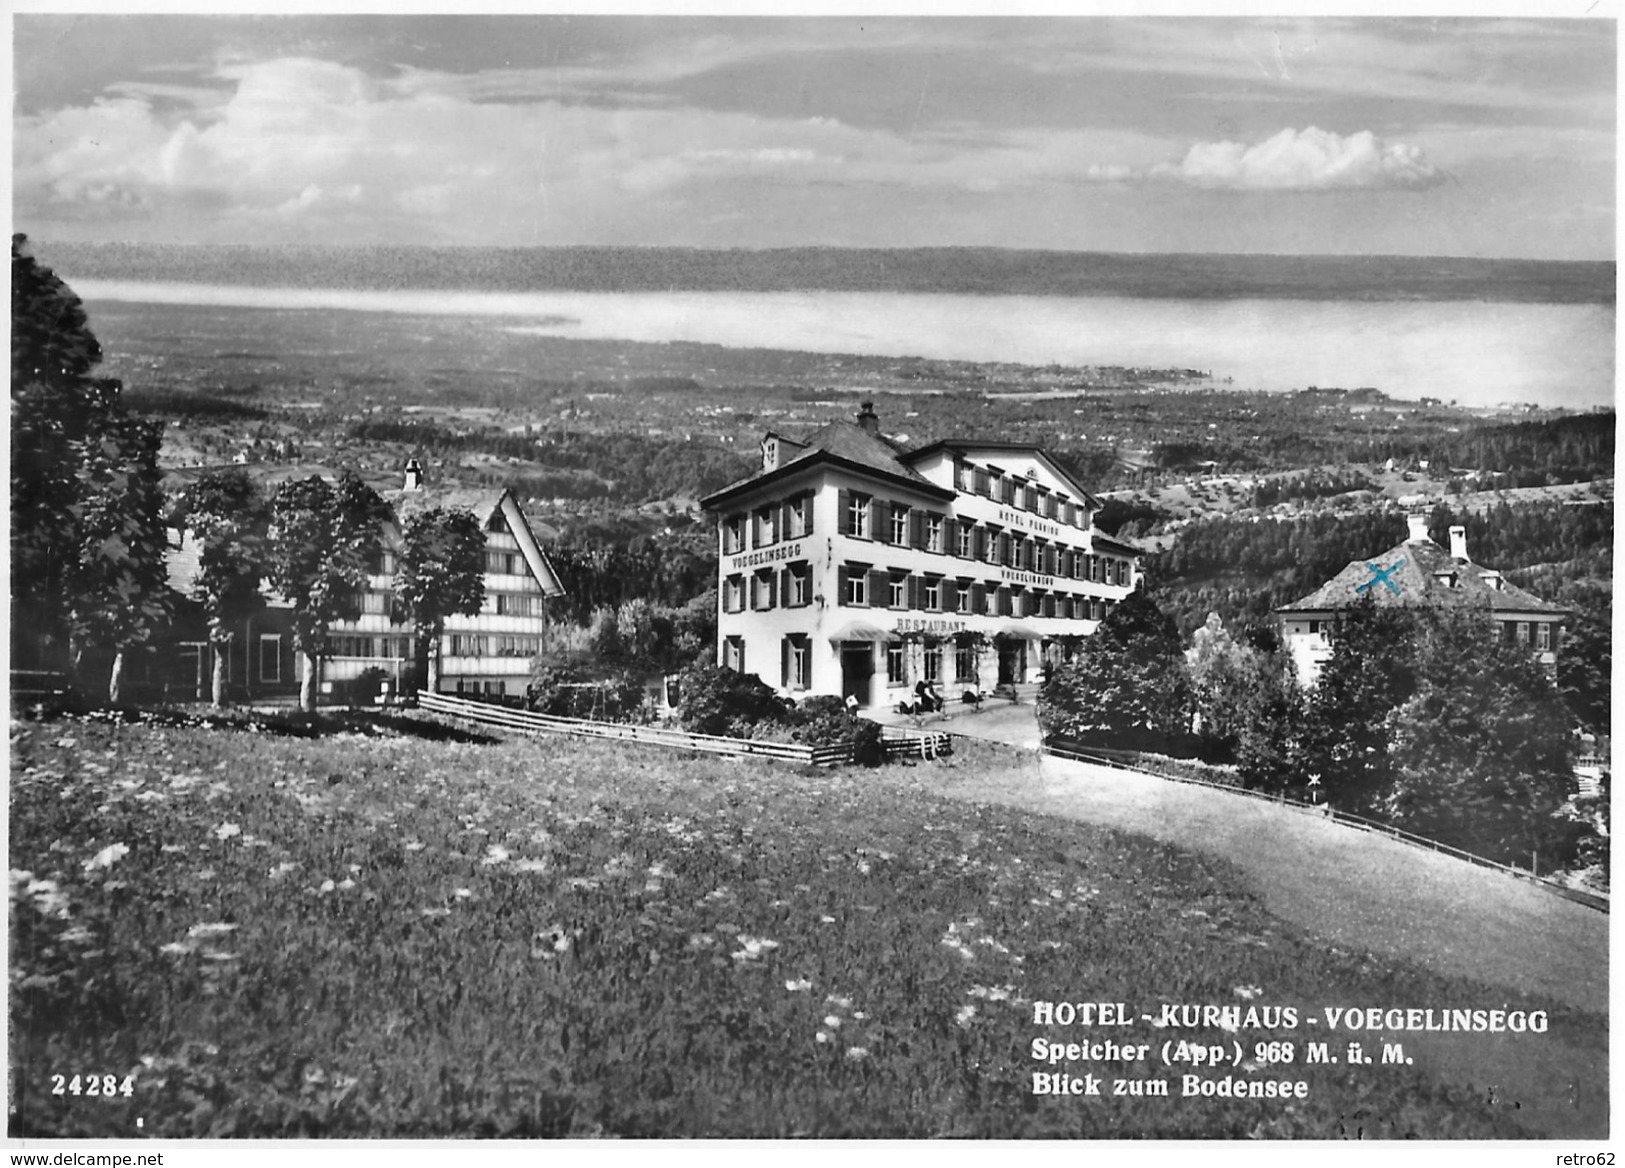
714,699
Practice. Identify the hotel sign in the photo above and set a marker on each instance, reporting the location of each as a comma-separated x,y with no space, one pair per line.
785,551
1017,576
938,627
1022,519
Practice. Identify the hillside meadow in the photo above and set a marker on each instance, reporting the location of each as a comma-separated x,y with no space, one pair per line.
385,933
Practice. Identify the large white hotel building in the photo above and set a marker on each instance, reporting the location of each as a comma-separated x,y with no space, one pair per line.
852,565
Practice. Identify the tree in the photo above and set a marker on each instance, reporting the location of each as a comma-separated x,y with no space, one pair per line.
1128,686
441,574
118,588
321,542
58,411
1481,751
226,514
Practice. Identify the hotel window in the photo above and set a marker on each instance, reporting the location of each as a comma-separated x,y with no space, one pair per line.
1047,506
1094,569
733,535
933,595
797,585
965,663
762,586
897,595
964,479
1097,610
855,585
766,526
1005,549
857,516
797,516
1029,498
1543,636
933,663
733,594
990,544
270,657
990,600
966,537
896,674
1029,555
733,654
962,597
981,481
1048,608
933,533
795,661
899,524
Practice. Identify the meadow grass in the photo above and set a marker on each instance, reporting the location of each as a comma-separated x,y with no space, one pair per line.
365,935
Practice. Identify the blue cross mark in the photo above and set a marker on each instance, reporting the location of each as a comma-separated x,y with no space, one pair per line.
1382,576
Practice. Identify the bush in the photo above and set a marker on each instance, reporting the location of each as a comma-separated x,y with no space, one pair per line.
714,699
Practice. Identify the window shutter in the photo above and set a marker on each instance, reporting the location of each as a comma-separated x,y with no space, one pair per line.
879,589
784,588
840,585
950,536
807,512
949,596
913,587
784,662
978,597
879,521
916,529
843,500
741,644
772,587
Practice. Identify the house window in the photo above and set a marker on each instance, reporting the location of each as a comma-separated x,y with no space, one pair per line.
856,591
1314,628
966,540
899,524
797,585
857,516
796,650
733,535
898,595
1523,632
270,657
733,594
766,526
933,533
965,663
933,663
508,604
762,585
933,595
962,597
375,602
503,563
1543,636
733,654
799,511
895,671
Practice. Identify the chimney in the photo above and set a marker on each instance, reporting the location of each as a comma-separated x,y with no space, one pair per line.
1458,543
868,420
1419,528
414,475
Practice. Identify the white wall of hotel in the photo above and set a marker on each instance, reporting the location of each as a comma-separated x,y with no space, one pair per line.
1307,636
837,637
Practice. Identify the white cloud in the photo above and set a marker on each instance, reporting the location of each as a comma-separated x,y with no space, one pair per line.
1307,160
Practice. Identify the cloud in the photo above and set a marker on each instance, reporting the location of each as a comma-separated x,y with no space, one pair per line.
1307,160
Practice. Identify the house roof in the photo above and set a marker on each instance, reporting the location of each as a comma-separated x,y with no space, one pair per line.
483,503
968,445
1409,576
842,444
1100,541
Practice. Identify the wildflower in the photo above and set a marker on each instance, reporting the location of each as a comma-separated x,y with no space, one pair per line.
281,869
326,887
821,1037
965,1014
837,1000
213,929
530,865
463,893
495,854
107,857
828,920
833,1021
752,948
1247,993
797,985
856,1053
346,884
226,830
414,845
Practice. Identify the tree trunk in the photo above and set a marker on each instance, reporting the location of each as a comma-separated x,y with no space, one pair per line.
115,682
307,683
432,665
217,689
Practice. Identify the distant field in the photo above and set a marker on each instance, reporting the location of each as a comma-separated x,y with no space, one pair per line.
988,271
387,936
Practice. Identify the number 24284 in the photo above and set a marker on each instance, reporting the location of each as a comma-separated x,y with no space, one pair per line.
105,1086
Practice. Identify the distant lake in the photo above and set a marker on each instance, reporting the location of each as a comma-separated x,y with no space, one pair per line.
1477,353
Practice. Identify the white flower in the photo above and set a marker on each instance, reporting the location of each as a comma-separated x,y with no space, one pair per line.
856,1053
213,929
833,1021
495,854
1247,993
281,869
463,893
346,884
796,985
107,857
326,886
226,830
821,1037
966,1013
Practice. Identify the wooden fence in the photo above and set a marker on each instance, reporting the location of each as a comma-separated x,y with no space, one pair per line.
898,742
1598,901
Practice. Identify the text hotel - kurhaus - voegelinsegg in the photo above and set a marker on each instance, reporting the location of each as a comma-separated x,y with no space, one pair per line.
853,565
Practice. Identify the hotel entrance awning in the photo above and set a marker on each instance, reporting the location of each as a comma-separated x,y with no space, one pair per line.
860,631
1016,631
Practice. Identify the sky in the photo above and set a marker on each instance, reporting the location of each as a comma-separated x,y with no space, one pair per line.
1467,137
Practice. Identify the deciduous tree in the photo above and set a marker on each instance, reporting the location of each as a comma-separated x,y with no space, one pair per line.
226,514
441,574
